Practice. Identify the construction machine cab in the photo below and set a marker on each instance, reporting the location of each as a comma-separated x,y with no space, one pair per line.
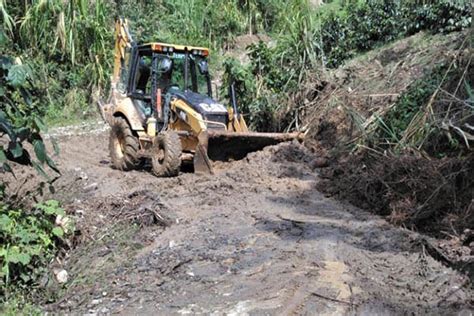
158,69
161,108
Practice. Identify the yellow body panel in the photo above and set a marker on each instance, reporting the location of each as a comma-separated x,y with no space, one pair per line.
193,119
122,42
194,124
126,108
236,122
188,140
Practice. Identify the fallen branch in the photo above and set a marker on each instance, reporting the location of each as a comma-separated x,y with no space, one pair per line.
452,291
332,299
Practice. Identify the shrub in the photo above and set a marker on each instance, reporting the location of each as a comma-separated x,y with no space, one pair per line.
328,37
21,117
410,103
361,26
28,241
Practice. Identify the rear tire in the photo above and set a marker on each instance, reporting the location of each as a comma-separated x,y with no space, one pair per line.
166,154
123,145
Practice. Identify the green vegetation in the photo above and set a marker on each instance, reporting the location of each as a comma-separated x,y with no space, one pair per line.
314,40
361,26
66,44
433,115
29,236
28,242
19,306
21,116
73,41
392,128
69,44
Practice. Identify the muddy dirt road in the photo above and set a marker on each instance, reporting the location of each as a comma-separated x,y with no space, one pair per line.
257,238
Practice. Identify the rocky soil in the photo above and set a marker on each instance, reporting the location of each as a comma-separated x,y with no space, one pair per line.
256,238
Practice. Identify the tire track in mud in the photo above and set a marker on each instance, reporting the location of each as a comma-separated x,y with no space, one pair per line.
256,238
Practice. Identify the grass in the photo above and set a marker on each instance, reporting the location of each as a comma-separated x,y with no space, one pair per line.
19,305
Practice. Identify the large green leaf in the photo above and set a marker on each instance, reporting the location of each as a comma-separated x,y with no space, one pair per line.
5,126
51,164
51,207
16,256
40,150
39,169
58,232
3,157
15,149
17,75
5,222
40,125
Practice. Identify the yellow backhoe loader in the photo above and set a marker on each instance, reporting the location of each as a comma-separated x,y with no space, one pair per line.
161,108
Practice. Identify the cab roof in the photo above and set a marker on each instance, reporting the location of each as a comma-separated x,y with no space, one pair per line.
165,47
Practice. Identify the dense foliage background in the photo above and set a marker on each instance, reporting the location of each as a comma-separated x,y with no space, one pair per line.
68,44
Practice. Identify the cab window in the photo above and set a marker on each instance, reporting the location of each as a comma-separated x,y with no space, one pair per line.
199,80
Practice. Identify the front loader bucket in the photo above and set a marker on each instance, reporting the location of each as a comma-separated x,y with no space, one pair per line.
225,146
201,162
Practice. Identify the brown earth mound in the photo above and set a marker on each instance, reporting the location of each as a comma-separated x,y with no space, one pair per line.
414,188
367,87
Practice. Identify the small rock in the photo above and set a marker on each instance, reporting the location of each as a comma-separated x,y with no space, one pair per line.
172,243
319,163
63,222
91,187
104,310
228,261
61,275
96,302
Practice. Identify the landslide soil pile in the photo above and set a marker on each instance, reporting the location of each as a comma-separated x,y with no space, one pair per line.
429,188
368,86
258,237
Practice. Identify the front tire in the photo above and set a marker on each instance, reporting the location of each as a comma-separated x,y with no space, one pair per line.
166,158
123,145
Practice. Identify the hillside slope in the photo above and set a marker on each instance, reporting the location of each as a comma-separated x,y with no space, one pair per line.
369,85
391,123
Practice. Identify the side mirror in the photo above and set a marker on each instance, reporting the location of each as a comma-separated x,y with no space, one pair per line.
165,65
203,67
